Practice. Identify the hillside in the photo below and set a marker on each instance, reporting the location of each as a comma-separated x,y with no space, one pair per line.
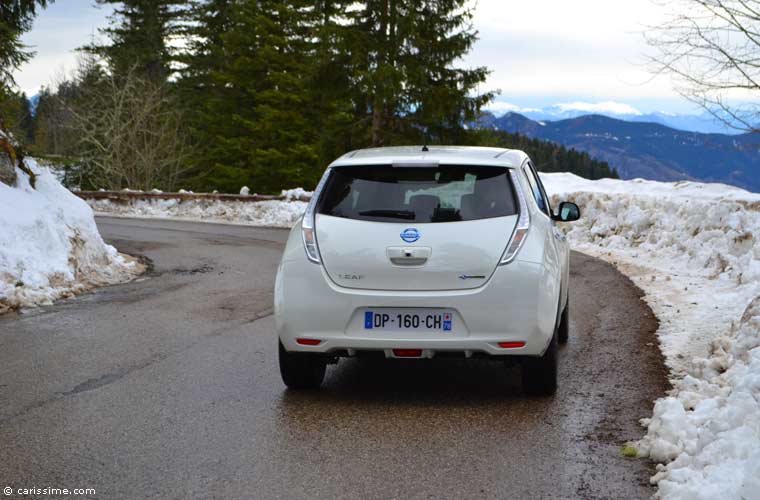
547,156
648,150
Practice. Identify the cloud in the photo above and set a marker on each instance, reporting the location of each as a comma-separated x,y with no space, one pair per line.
617,108
591,50
501,107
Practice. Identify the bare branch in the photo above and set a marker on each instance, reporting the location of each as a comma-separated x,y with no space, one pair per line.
130,135
711,48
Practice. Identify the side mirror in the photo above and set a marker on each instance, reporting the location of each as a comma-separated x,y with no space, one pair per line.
568,212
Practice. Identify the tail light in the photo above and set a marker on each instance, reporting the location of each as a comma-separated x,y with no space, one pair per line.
308,231
523,222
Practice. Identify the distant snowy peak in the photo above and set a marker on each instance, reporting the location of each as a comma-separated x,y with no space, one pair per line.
567,110
500,108
600,108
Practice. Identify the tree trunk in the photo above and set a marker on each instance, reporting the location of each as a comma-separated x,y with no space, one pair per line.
7,161
377,126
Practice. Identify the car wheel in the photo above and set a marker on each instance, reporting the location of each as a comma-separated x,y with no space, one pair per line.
301,370
563,332
539,374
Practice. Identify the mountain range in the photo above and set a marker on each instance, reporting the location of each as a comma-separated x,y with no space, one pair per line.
703,122
647,150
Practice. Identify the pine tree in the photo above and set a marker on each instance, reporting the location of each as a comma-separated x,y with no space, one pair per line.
406,81
204,55
25,120
257,132
331,110
50,121
16,112
441,96
139,35
201,91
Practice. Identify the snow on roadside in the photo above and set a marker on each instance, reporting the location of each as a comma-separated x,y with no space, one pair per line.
694,250
273,213
49,245
298,193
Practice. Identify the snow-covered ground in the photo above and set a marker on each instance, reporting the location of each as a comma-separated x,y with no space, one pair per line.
49,245
694,249
273,213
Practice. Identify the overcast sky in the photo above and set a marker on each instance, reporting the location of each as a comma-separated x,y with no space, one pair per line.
542,52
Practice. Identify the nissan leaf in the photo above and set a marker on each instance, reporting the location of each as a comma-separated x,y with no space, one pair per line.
424,252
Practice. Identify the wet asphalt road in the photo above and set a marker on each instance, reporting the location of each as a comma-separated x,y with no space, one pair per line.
168,388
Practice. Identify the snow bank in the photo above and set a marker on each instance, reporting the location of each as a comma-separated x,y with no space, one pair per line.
273,213
693,249
49,244
711,429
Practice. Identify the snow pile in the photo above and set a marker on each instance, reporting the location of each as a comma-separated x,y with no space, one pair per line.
272,213
298,193
49,244
711,429
693,248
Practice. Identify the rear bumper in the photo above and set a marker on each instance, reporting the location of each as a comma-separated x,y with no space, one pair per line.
518,304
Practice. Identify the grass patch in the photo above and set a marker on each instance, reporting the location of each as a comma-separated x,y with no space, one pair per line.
629,451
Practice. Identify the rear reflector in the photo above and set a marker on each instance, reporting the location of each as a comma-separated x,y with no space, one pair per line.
407,353
511,345
308,341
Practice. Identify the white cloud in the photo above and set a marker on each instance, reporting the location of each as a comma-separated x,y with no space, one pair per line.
617,108
501,107
591,50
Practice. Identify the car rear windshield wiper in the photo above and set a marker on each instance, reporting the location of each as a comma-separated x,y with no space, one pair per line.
396,214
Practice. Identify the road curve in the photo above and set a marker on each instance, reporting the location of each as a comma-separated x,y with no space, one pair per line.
168,388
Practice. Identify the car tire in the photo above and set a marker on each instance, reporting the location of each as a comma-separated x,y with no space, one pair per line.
539,374
563,331
301,370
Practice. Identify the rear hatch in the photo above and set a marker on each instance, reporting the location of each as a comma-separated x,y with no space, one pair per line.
438,227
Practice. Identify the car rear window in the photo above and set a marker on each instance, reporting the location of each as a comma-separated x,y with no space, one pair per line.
446,193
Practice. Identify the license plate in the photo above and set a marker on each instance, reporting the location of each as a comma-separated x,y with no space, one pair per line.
419,320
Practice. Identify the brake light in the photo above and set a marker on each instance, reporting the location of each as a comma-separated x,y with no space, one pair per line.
511,345
407,353
308,341
523,222
308,232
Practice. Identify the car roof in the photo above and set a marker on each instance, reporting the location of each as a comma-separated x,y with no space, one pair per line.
444,155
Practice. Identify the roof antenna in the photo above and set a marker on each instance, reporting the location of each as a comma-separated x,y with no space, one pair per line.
424,140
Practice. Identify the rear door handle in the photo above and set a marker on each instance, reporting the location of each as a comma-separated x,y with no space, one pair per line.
408,256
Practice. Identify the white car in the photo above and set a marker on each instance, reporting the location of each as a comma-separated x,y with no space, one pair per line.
417,252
